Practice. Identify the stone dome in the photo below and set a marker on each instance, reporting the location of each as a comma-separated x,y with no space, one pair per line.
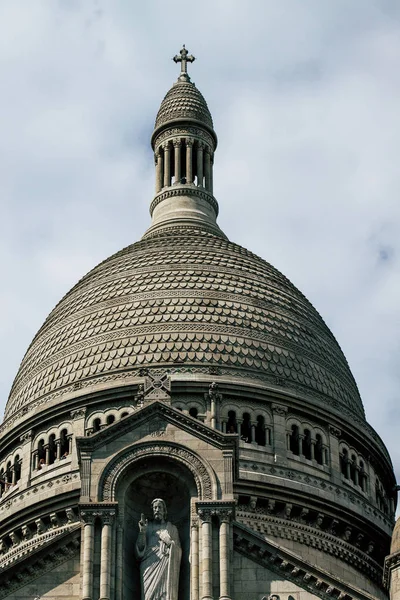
395,545
183,102
185,300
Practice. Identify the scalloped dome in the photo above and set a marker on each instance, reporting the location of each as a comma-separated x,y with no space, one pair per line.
185,300
183,102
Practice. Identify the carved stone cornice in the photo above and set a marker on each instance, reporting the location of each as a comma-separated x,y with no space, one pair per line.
185,190
335,431
105,511
183,131
26,437
294,530
392,562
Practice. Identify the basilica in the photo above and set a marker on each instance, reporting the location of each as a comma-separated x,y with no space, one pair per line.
184,425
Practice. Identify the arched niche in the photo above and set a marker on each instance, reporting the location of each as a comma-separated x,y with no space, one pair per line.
142,482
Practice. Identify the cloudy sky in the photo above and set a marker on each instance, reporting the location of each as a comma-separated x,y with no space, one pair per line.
305,96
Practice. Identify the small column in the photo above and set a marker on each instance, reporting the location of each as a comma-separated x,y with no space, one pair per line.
13,475
177,160
58,446
194,561
200,147
47,448
167,164
211,187
159,171
206,551
35,460
70,444
312,449
224,538
207,167
253,433
189,160
88,546
105,557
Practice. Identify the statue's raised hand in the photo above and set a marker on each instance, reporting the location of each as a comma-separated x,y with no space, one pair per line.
142,524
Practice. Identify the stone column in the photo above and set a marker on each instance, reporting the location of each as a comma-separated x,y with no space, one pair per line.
189,160
177,160
211,187
279,416
88,548
159,171
119,566
167,164
207,167
58,449
206,552
194,561
105,557
224,553
200,146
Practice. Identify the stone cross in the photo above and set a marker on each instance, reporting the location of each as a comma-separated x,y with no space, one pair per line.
184,58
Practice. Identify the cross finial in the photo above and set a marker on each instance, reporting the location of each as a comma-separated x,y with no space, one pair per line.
184,58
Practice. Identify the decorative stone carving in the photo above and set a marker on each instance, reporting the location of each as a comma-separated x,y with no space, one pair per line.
79,413
159,550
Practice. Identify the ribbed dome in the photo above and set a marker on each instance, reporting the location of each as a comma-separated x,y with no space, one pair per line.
395,545
183,102
185,300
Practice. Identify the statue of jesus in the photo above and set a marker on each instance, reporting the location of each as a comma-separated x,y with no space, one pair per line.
159,551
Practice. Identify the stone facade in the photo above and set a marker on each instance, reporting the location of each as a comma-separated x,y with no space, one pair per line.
188,369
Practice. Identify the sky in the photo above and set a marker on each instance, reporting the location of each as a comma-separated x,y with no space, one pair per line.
305,98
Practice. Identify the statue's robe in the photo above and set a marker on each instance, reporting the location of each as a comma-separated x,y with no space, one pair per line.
160,563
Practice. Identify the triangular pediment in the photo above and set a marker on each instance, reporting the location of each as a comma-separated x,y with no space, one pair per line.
156,416
289,566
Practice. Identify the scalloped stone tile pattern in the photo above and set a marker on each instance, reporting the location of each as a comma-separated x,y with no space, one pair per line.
183,101
184,297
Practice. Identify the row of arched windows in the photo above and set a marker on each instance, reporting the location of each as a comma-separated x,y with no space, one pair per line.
352,468
10,474
307,443
249,431
98,421
52,448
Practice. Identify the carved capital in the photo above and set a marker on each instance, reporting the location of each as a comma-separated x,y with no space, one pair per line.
189,142
108,517
88,516
205,515
225,515
177,142
166,146
79,413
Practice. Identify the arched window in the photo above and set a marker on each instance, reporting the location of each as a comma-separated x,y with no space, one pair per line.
2,482
318,453
362,476
8,477
353,469
245,428
64,443
52,449
193,412
96,425
344,458
124,414
110,419
41,458
306,444
17,468
294,440
260,431
231,426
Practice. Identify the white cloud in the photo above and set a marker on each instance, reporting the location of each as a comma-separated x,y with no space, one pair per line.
305,100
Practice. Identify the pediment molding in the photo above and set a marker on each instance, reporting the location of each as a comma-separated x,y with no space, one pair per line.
160,410
41,559
308,576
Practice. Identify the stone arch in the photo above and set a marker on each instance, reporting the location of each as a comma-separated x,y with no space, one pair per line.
202,473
